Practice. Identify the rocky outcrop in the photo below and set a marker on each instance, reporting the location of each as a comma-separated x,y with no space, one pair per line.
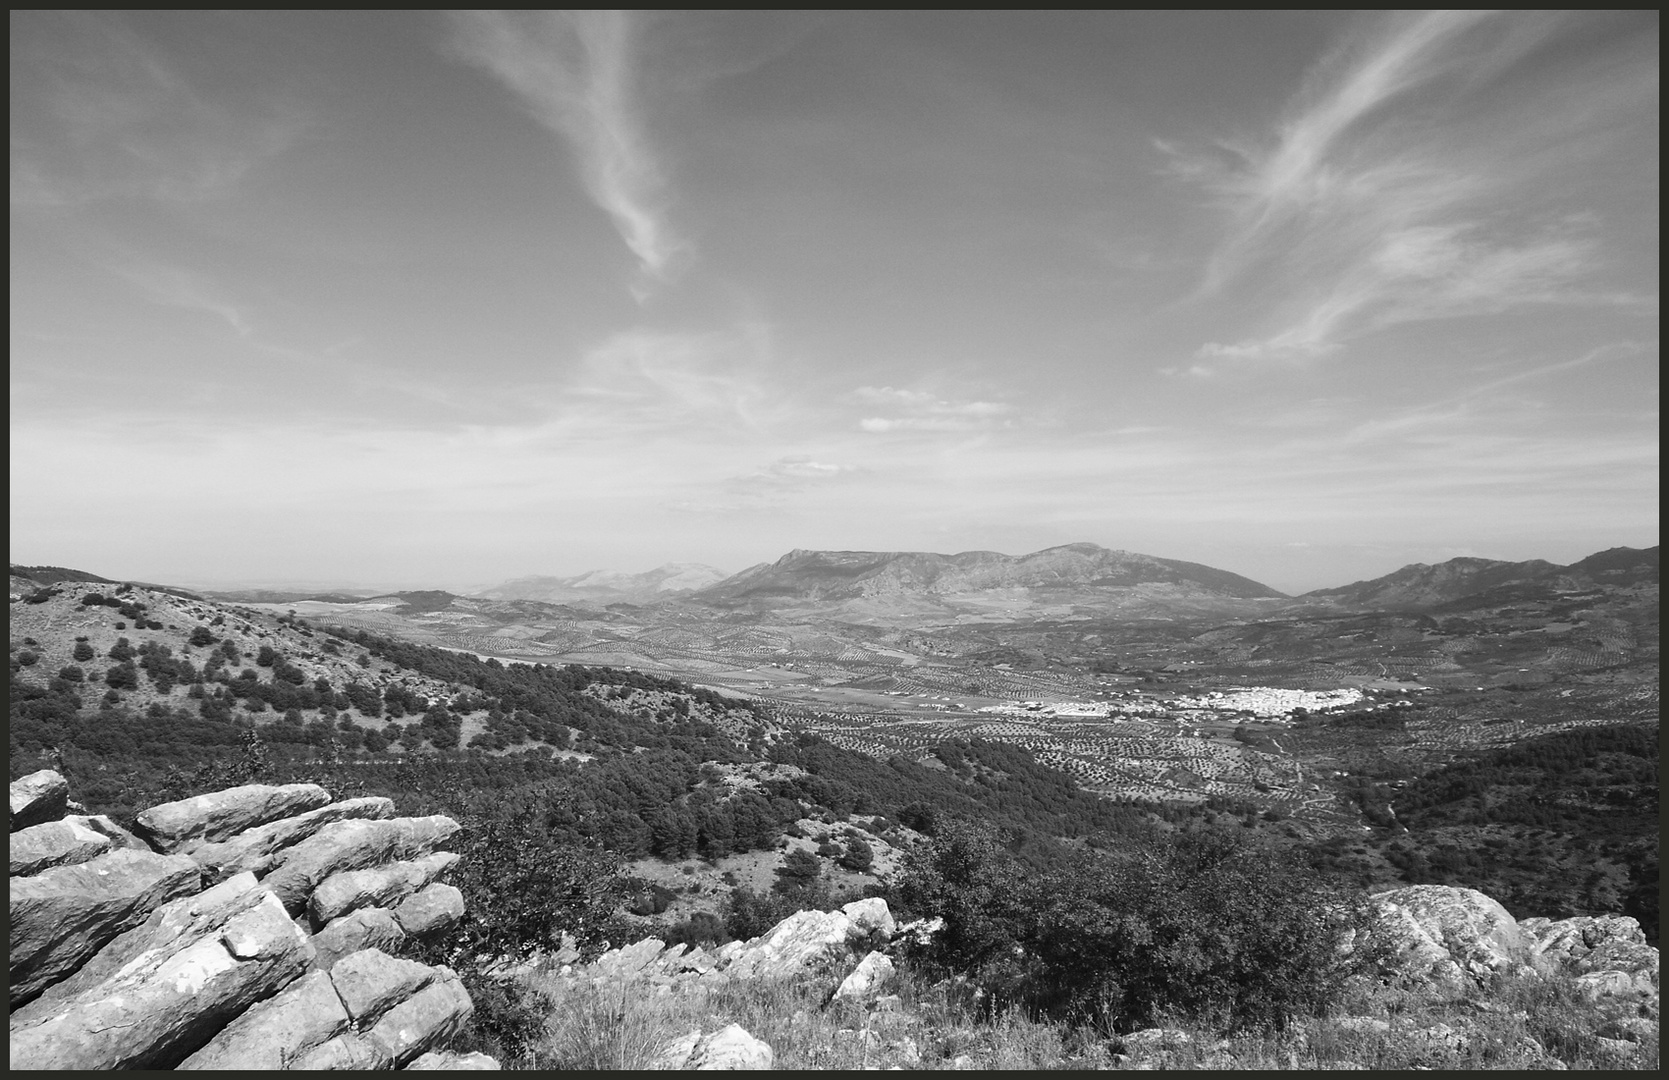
121,958
165,1002
259,849
63,915
222,814
804,941
352,845
1451,940
1607,955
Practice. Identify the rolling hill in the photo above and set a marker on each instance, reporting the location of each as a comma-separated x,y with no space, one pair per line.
1421,585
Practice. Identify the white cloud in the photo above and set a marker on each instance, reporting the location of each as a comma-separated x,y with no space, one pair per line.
577,73
1379,203
919,410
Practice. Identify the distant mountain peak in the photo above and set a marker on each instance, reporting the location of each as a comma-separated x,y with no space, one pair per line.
611,586
903,577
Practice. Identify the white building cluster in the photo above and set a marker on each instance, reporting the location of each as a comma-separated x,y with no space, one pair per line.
1263,702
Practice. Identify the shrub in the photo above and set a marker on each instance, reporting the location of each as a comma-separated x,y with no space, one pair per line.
701,929
858,855
122,677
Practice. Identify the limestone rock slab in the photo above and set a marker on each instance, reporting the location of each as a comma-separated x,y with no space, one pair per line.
55,843
278,1032
382,886
218,815
345,1052
259,849
367,928
40,796
169,928
431,1017
353,845
370,982
61,916
163,1005
432,910
449,1062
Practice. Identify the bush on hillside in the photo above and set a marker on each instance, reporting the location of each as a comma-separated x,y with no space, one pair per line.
1209,927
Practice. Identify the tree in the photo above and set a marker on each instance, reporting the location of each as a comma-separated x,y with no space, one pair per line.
858,856
83,651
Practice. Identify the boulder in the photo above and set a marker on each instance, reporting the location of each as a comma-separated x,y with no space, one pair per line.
163,1005
370,982
871,916
223,814
432,910
367,928
278,1032
61,916
40,796
434,1015
382,886
866,980
677,1053
450,1062
353,845
731,1048
349,1051
1478,934
258,849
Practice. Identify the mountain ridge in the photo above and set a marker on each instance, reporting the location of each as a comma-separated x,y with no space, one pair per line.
1422,585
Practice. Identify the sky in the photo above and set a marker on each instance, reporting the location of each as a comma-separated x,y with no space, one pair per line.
431,300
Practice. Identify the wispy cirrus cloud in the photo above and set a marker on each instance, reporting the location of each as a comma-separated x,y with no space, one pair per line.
665,380
1385,197
577,74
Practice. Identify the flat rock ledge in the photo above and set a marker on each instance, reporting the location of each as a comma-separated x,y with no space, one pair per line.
241,929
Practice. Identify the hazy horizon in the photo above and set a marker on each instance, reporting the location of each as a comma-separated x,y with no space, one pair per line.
426,300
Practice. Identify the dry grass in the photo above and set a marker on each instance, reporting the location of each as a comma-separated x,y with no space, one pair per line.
1522,1023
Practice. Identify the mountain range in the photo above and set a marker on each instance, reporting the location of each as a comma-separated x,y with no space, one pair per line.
1055,581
